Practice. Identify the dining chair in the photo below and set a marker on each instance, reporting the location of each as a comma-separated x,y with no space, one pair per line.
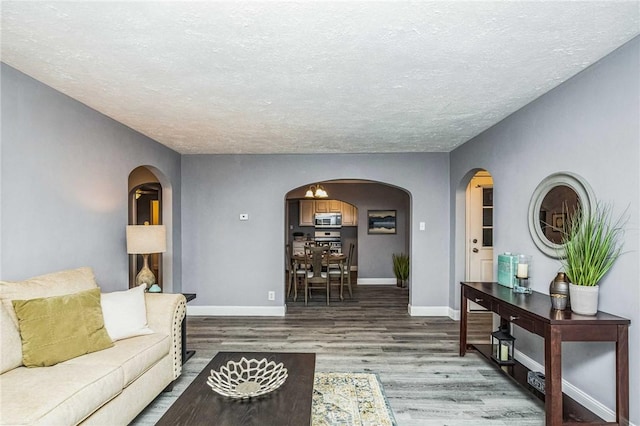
294,272
344,273
315,278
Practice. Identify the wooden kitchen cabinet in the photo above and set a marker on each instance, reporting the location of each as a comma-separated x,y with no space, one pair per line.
321,206
308,209
307,212
328,206
349,215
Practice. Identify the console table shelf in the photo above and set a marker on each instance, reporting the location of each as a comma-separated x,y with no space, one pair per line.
533,313
571,410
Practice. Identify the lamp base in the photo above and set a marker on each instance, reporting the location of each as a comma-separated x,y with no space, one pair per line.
146,276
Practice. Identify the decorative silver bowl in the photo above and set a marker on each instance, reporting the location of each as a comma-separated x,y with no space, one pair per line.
247,378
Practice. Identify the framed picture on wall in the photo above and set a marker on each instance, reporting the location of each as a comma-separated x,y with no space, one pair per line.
381,221
558,221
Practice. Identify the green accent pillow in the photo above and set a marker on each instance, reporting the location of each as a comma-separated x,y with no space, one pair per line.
55,329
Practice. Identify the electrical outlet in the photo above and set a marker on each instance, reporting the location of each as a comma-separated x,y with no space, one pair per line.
272,295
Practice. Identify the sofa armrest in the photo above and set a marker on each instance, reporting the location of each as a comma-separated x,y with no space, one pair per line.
165,313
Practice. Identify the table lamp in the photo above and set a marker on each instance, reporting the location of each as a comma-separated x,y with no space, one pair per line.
145,240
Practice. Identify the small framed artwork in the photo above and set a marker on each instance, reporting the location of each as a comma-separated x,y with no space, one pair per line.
381,221
558,222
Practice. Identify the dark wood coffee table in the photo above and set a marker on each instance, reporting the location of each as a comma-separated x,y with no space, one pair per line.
288,405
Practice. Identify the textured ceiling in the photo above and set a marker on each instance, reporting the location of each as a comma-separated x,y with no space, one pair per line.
309,77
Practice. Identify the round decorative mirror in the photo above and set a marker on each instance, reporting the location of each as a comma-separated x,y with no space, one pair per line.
555,199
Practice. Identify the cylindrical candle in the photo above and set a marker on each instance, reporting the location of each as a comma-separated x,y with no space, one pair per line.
523,270
504,352
524,266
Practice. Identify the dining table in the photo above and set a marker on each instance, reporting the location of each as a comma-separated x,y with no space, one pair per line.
332,259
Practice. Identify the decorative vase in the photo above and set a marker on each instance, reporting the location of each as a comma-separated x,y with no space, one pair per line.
584,299
560,285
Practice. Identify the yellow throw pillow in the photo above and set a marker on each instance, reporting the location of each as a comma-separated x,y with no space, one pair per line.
55,329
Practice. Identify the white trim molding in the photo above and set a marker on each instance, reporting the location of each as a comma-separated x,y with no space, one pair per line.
573,391
377,281
237,311
428,311
454,314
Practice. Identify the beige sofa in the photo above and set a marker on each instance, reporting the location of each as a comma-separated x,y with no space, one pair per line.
107,387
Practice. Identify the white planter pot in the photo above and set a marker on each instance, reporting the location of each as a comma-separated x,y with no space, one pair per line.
584,299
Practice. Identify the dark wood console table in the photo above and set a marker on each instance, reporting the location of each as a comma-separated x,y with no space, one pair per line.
533,313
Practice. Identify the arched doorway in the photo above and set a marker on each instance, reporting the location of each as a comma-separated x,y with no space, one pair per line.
356,200
150,202
473,244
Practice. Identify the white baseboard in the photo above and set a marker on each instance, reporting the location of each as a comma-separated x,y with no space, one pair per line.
237,311
454,314
428,311
574,392
377,281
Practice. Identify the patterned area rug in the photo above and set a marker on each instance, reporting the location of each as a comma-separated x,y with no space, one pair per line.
350,399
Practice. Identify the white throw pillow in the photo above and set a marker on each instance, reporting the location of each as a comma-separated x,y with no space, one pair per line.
125,313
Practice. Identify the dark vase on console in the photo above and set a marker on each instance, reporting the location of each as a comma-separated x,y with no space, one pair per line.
560,285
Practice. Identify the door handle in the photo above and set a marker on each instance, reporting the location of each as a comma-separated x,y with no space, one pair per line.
475,250
475,240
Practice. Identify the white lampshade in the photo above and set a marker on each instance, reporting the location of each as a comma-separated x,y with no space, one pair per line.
146,239
320,192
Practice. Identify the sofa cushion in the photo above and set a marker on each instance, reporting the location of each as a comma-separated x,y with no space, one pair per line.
10,344
135,355
55,329
125,313
64,394
54,284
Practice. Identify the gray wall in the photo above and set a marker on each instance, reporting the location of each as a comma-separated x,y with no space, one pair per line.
64,185
590,126
233,263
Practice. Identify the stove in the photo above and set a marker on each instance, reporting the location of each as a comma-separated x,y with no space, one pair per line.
332,239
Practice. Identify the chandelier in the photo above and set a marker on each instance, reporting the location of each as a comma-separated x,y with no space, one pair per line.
316,191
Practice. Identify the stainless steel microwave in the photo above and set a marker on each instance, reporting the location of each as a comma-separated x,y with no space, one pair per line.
328,220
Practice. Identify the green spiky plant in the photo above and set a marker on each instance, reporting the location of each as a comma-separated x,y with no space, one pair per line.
401,267
592,244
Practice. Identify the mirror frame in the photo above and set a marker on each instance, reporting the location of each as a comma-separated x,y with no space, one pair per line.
586,198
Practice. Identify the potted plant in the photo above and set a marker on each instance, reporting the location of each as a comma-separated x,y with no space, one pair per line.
592,245
401,268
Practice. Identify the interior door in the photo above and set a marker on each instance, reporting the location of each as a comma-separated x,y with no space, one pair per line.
480,230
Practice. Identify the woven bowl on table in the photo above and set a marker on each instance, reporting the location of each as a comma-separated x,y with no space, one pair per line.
247,378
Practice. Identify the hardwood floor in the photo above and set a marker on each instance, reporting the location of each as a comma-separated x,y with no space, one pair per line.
416,358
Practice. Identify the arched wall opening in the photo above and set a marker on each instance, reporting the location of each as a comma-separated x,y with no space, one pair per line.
142,182
373,251
463,245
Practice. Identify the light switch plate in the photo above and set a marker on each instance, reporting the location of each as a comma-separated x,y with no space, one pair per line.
422,226
244,216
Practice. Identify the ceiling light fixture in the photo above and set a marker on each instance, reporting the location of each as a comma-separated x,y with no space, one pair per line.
316,191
